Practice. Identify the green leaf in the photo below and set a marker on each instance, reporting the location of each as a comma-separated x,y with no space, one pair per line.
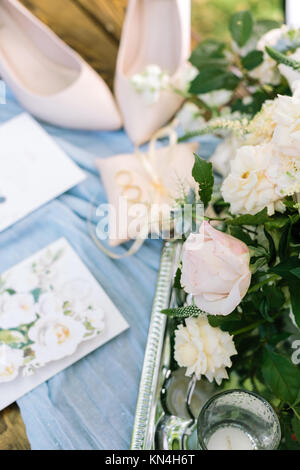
296,272
183,312
177,279
284,242
283,59
213,78
207,53
285,268
279,221
295,299
254,106
11,291
11,337
262,26
258,219
241,27
238,232
274,296
281,376
272,248
296,427
203,175
36,294
229,323
252,60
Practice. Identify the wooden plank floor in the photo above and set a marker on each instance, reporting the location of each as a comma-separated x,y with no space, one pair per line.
93,29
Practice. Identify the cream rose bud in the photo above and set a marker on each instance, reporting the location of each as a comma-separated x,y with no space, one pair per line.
215,270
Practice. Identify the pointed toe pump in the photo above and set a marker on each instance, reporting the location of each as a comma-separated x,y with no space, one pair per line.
49,79
155,32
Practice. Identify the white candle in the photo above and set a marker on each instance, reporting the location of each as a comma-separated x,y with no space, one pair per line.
292,11
230,438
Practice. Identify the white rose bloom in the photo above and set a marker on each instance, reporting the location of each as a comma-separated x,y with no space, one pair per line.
290,74
203,350
150,83
55,337
50,304
189,118
10,362
285,173
247,188
22,280
224,153
216,98
286,137
16,310
267,71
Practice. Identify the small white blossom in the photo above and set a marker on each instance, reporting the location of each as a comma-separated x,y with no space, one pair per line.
150,83
203,350
189,118
267,71
185,77
95,318
16,310
288,72
216,98
10,362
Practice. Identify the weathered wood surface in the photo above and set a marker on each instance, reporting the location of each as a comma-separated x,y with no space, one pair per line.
12,430
93,29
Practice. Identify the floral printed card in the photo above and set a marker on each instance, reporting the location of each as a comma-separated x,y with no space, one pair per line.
33,169
52,313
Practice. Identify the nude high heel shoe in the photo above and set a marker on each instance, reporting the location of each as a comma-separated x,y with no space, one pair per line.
155,32
48,78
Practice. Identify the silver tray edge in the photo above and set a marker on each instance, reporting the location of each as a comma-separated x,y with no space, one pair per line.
143,429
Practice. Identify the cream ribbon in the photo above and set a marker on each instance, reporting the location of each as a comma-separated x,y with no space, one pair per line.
148,161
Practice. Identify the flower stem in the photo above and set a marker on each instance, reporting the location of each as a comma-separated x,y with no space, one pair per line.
262,283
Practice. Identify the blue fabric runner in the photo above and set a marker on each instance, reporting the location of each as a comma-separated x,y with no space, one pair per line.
91,404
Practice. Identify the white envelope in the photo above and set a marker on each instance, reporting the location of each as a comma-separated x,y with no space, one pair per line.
33,169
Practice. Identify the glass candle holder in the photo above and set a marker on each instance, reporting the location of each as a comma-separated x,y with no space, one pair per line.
238,420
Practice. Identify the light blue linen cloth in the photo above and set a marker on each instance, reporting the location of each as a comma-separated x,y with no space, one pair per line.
90,405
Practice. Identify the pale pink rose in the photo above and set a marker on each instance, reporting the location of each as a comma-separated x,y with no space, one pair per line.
215,270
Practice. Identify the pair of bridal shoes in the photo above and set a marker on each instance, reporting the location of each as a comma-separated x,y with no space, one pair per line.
56,85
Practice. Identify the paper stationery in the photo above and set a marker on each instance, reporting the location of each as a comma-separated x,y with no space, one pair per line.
33,169
52,313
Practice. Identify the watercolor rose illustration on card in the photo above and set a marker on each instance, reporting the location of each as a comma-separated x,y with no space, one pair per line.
44,315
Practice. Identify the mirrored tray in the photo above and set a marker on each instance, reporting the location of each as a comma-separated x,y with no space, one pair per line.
168,401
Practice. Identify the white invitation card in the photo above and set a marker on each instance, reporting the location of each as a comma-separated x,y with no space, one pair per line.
53,312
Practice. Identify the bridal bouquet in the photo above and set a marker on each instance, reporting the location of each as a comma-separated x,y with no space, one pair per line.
237,314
